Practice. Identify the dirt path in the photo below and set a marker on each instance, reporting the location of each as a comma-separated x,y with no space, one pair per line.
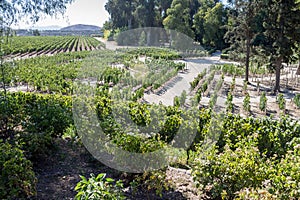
195,66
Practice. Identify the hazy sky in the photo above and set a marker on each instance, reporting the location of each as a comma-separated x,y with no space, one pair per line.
90,12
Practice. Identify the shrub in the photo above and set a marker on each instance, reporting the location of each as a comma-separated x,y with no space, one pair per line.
285,176
263,102
246,103
204,86
176,101
229,103
281,101
252,193
282,180
224,174
99,188
17,179
154,180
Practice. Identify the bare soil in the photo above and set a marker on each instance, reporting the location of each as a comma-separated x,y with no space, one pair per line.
58,173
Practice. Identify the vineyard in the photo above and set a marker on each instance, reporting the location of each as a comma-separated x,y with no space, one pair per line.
256,99
48,45
233,140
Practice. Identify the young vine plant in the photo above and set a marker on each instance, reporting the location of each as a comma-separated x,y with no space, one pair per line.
263,102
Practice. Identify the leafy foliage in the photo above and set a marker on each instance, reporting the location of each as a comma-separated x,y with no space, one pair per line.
229,171
254,155
246,103
99,188
17,178
281,101
13,12
229,103
263,102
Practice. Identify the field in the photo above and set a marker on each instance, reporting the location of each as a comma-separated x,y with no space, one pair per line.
29,46
222,138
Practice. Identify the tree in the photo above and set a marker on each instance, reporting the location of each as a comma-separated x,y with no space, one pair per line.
243,28
121,13
137,13
178,17
36,32
161,13
282,32
131,14
214,21
198,18
145,13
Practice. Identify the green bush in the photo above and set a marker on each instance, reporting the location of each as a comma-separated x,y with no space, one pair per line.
263,102
154,180
224,174
284,176
252,193
229,103
99,188
17,179
34,120
36,144
36,113
246,103
282,180
281,101
176,101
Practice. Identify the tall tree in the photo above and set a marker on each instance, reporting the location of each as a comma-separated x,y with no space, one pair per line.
121,13
214,31
243,28
178,17
208,23
137,13
282,32
145,13
161,7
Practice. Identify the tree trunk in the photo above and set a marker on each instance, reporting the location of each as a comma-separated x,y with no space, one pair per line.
247,60
278,70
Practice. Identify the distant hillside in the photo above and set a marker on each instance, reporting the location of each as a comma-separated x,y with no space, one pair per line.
81,27
42,28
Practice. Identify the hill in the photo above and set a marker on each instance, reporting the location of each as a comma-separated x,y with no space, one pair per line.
81,27
42,28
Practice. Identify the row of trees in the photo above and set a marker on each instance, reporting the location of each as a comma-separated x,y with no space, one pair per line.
203,20
270,28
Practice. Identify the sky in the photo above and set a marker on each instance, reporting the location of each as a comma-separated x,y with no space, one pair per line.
91,12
